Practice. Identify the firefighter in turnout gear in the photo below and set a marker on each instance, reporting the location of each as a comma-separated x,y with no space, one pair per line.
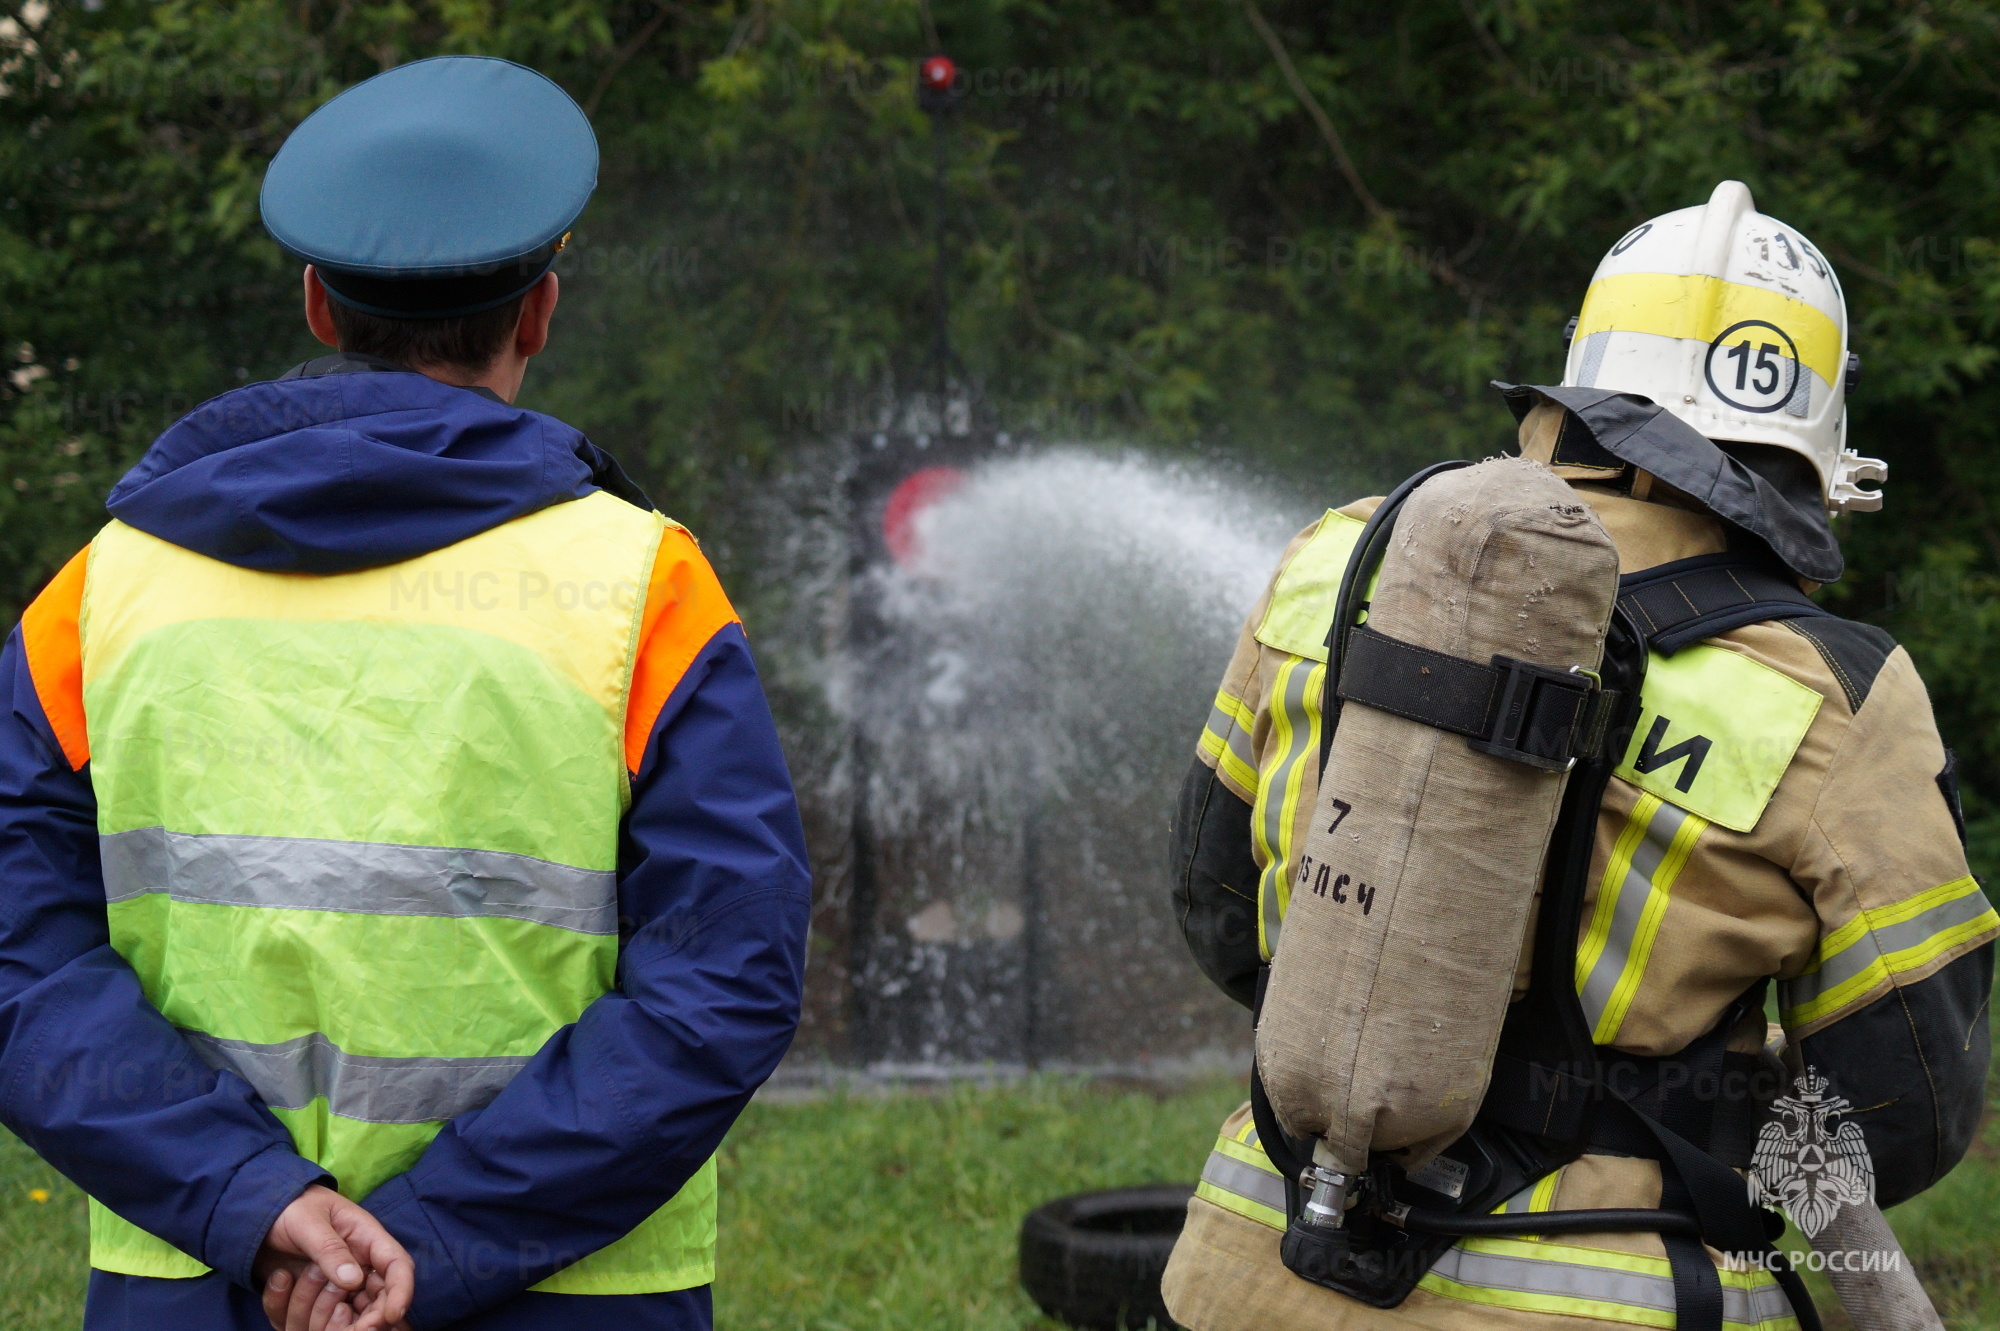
1777,810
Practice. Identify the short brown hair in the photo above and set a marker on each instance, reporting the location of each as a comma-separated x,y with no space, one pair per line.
469,342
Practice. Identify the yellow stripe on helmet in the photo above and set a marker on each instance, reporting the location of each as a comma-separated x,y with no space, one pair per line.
1699,308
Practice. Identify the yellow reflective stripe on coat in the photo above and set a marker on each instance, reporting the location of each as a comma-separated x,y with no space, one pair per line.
1880,944
1716,732
1296,623
1225,740
1526,1274
1302,600
1537,1196
1292,751
1239,1177
1535,1276
1698,308
1631,901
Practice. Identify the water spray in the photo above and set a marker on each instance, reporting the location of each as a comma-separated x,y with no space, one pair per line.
1033,638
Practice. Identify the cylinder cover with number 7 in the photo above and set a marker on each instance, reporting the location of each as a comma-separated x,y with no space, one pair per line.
1413,894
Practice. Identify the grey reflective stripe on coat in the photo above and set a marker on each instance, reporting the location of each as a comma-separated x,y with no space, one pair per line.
1234,737
357,877
1634,894
1879,942
1602,1284
1246,1181
374,1090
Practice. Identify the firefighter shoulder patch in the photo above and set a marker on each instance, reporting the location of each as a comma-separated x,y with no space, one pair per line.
1301,611
1716,732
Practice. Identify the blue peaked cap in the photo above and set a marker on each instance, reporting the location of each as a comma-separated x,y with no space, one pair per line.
439,188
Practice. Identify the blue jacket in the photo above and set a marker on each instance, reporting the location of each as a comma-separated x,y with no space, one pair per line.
348,465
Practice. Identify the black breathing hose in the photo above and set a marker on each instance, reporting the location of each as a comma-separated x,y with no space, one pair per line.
1368,547
1553,1222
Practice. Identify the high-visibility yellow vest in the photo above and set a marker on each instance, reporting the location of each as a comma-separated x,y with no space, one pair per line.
360,833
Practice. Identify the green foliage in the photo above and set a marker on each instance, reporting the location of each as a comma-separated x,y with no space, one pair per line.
1150,238
134,278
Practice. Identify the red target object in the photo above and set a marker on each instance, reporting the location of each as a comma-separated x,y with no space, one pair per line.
912,495
938,73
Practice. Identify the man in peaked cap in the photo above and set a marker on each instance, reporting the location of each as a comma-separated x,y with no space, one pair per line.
404,887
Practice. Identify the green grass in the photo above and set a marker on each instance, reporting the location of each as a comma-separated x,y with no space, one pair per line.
894,1212
46,1243
903,1212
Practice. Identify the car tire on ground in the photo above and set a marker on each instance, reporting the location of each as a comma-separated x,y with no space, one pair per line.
1095,1260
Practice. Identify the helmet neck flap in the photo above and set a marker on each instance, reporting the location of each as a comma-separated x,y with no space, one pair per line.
1607,429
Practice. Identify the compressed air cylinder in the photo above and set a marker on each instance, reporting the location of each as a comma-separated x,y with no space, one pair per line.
1412,895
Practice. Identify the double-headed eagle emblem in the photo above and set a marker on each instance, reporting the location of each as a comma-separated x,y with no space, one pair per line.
1808,1163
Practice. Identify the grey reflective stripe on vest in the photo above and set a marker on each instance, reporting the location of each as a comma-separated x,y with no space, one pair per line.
1576,1280
1245,1181
374,1090
357,877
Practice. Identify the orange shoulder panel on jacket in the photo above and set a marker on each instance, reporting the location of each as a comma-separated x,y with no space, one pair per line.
55,657
685,608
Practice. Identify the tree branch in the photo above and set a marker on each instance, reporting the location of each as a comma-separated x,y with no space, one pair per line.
1488,44
1311,103
1438,268
625,54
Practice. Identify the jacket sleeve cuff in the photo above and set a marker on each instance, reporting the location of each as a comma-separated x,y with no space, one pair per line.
257,1194
442,1294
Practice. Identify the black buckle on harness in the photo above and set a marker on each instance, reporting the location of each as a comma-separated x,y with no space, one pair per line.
1541,716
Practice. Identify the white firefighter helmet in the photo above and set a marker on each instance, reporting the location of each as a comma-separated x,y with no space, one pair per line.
1735,323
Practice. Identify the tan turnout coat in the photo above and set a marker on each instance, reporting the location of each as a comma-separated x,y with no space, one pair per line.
1850,887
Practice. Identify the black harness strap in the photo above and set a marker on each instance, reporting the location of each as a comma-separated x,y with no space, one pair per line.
1680,603
1513,709
1288,1160
1697,1285
1658,1109
1706,1093
1416,683
1693,1180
